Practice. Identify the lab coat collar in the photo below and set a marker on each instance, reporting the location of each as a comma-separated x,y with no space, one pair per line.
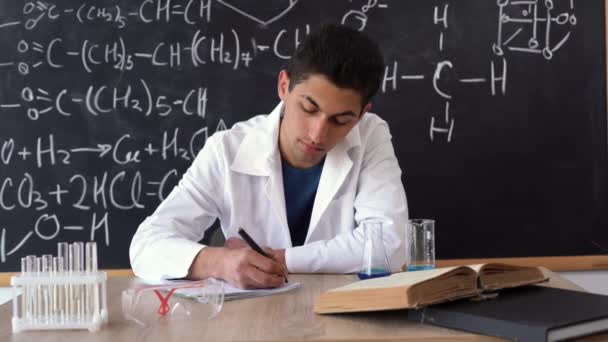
259,150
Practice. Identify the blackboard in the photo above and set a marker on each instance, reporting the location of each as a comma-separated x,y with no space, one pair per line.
497,111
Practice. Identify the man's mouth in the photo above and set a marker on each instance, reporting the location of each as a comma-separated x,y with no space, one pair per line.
311,148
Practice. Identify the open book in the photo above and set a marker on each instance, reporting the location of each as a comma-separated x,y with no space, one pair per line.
416,289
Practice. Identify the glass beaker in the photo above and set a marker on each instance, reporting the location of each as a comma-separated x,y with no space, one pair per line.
420,236
375,262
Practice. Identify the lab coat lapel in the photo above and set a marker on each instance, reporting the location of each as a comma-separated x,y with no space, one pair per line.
276,195
337,166
258,150
258,155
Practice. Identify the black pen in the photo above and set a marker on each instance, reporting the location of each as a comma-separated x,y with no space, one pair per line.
254,245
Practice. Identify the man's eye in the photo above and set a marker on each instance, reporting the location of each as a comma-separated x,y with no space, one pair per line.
308,109
341,122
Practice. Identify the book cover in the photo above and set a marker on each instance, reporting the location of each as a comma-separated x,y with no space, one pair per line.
530,313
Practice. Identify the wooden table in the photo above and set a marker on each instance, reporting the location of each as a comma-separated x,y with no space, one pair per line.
283,317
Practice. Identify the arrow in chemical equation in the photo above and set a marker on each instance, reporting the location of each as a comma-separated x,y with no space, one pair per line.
102,149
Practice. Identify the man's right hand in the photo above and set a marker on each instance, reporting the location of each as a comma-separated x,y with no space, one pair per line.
241,267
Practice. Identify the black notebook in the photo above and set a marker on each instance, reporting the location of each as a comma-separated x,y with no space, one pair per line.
526,314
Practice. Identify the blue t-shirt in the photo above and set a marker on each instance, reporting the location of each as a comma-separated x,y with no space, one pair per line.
300,189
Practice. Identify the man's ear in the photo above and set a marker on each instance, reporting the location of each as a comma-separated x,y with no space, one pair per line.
366,109
283,84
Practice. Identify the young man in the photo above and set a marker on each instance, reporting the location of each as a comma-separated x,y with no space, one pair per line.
300,180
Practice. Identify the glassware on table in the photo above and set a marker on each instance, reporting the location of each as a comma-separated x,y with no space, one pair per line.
59,292
375,262
420,237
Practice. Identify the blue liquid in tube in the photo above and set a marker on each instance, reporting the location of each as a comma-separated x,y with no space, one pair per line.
419,267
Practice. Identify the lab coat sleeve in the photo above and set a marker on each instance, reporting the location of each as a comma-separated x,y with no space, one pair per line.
380,196
165,244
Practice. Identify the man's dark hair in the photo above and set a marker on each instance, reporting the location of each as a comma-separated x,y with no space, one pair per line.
348,58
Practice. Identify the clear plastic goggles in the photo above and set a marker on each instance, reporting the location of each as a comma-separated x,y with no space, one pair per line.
149,304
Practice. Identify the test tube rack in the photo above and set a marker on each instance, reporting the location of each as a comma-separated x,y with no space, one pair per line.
49,296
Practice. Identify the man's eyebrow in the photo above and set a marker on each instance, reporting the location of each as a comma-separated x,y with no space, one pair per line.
348,112
311,101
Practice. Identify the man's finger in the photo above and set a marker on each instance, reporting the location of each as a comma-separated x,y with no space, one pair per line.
266,264
235,243
261,279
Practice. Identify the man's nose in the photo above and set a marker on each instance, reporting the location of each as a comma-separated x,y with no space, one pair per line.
318,131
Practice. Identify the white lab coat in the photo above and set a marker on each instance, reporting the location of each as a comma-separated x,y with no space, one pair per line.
237,178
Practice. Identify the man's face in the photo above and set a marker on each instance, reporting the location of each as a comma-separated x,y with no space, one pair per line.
317,116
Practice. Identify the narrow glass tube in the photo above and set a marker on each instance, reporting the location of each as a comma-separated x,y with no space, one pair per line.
92,265
60,266
70,269
62,250
87,258
47,262
78,258
89,288
31,262
93,247
38,295
62,297
62,262
29,289
70,263
24,292
54,292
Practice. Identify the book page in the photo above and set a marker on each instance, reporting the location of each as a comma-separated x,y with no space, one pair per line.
493,267
499,275
396,279
477,267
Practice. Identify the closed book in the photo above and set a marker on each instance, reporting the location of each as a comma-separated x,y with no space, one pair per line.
526,314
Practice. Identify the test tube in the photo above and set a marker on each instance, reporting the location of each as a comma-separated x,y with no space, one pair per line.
62,299
55,293
38,296
78,265
92,290
47,261
24,290
62,257
70,270
89,288
70,263
30,264
62,250
92,256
